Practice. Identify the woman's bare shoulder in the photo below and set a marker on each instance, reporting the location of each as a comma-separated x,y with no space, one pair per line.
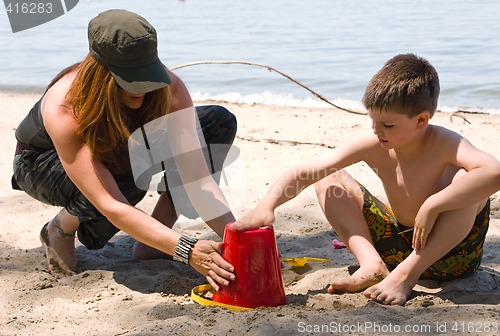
180,94
57,112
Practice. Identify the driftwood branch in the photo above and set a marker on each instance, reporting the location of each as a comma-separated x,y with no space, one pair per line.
277,142
270,69
457,114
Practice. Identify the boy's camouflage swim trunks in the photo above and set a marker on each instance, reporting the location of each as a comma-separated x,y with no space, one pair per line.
394,246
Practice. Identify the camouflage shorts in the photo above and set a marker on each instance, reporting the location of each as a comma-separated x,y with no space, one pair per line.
394,246
41,175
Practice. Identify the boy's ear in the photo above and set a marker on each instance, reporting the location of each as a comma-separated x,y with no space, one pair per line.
423,119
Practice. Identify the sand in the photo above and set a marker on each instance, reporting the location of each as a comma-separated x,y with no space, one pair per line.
114,295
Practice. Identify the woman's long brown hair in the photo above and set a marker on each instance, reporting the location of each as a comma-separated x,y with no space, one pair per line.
103,123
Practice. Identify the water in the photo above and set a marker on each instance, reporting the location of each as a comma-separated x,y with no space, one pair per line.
331,46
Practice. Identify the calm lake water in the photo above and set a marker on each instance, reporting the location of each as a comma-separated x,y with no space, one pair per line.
331,46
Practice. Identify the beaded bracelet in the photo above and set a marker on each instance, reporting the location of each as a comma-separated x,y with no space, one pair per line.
182,249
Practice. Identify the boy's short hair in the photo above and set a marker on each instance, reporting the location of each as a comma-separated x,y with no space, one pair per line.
406,84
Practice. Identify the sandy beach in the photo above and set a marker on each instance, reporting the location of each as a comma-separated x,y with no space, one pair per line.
115,295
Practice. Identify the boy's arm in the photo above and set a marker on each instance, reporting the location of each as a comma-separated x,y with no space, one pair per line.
296,179
481,180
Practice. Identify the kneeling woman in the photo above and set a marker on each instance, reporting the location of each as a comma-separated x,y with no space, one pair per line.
73,151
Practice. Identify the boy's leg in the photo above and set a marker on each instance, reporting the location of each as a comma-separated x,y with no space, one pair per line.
58,239
450,229
341,200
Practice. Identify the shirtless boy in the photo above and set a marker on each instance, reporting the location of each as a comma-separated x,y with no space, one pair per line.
437,183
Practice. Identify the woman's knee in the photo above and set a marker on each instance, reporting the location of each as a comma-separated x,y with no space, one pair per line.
218,123
226,124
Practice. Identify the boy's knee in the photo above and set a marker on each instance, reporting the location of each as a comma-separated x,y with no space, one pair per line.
320,187
339,185
477,207
331,191
328,183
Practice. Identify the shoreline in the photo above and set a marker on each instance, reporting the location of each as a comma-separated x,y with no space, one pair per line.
310,102
114,295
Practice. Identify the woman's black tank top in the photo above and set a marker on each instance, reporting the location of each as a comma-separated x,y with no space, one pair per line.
31,130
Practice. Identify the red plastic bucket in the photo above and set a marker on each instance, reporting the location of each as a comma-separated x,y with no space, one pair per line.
254,255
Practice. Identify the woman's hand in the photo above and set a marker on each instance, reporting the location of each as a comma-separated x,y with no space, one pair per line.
253,220
206,260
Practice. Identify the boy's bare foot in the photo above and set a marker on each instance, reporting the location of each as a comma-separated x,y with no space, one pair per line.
144,252
360,280
59,250
393,290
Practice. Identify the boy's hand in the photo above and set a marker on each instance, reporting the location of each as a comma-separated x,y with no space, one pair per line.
253,220
206,260
424,222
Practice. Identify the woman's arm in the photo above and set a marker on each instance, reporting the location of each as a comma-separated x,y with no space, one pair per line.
95,181
204,193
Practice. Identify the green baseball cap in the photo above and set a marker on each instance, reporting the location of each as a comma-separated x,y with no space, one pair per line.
127,43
